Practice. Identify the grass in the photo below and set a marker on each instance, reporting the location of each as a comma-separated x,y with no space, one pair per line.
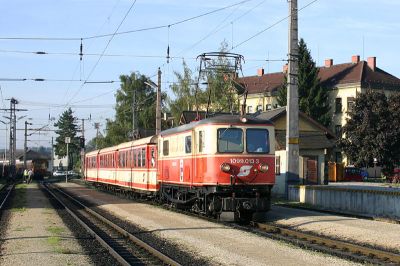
55,230
19,202
53,240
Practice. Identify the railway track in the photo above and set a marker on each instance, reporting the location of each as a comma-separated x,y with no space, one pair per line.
122,245
5,192
342,249
339,248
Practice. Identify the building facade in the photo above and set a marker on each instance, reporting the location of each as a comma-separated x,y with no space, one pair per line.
344,82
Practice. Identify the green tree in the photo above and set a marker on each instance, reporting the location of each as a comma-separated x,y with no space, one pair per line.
120,129
67,128
313,98
368,132
394,107
184,91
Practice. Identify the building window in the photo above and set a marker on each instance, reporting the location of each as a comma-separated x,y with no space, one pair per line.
259,107
277,165
338,131
249,109
338,105
350,104
268,107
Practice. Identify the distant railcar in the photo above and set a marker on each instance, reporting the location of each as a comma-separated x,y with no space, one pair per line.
220,164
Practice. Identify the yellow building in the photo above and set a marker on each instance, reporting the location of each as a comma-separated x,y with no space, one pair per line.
343,81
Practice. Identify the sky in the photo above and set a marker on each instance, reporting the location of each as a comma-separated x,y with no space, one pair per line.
256,29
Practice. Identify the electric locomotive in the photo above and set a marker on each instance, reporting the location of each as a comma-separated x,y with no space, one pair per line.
212,166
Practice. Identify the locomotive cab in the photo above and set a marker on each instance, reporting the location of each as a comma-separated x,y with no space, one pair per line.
220,164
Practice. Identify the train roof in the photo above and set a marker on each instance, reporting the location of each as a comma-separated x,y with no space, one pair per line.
221,119
133,143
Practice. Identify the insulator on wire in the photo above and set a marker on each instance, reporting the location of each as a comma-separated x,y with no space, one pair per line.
81,51
168,55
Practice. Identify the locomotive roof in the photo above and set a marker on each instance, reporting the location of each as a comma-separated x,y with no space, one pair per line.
221,119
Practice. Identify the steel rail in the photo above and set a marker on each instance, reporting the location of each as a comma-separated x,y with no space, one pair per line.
342,246
162,257
10,188
118,257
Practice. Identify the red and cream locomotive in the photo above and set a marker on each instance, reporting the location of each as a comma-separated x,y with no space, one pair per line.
219,164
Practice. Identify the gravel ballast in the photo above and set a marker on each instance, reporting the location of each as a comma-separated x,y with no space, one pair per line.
39,234
215,243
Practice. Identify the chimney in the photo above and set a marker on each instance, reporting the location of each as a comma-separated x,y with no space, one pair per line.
328,62
260,72
355,59
372,63
285,68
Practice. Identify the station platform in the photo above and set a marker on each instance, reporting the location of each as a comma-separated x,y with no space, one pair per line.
377,200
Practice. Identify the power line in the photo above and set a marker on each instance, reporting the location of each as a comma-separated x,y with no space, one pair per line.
104,50
123,32
271,26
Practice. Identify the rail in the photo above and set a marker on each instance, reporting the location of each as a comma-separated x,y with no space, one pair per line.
4,194
120,254
345,249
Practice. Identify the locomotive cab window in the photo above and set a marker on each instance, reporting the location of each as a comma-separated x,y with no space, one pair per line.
165,147
230,140
257,140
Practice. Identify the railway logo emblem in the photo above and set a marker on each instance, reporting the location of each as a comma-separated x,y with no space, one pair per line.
244,170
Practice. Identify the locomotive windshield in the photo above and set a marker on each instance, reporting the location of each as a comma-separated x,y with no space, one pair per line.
257,140
230,140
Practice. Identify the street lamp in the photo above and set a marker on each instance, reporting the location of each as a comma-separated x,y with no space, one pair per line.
375,162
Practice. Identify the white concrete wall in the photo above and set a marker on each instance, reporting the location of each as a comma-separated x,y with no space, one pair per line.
367,201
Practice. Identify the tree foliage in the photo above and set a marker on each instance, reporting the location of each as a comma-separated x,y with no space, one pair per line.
67,127
120,129
313,98
372,130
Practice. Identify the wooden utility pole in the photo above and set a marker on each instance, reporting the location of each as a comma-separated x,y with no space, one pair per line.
292,108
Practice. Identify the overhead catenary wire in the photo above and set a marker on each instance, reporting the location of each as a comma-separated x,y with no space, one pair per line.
103,52
271,26
124,32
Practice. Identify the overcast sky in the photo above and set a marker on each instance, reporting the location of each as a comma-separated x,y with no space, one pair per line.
331,29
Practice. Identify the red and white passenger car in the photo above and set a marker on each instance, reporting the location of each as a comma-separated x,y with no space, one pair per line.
219,164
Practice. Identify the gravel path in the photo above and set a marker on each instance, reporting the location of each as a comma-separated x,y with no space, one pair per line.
37,235
219,244
373,233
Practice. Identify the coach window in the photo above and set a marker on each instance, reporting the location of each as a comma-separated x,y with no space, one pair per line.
143,157
165,147
134,158
139,157
230,140
201,141
257,140
188,144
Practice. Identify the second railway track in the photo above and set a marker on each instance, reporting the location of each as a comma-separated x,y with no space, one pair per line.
122,245
339,248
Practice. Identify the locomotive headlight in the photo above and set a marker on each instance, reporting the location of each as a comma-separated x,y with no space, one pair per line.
225,167
243,119
263,167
